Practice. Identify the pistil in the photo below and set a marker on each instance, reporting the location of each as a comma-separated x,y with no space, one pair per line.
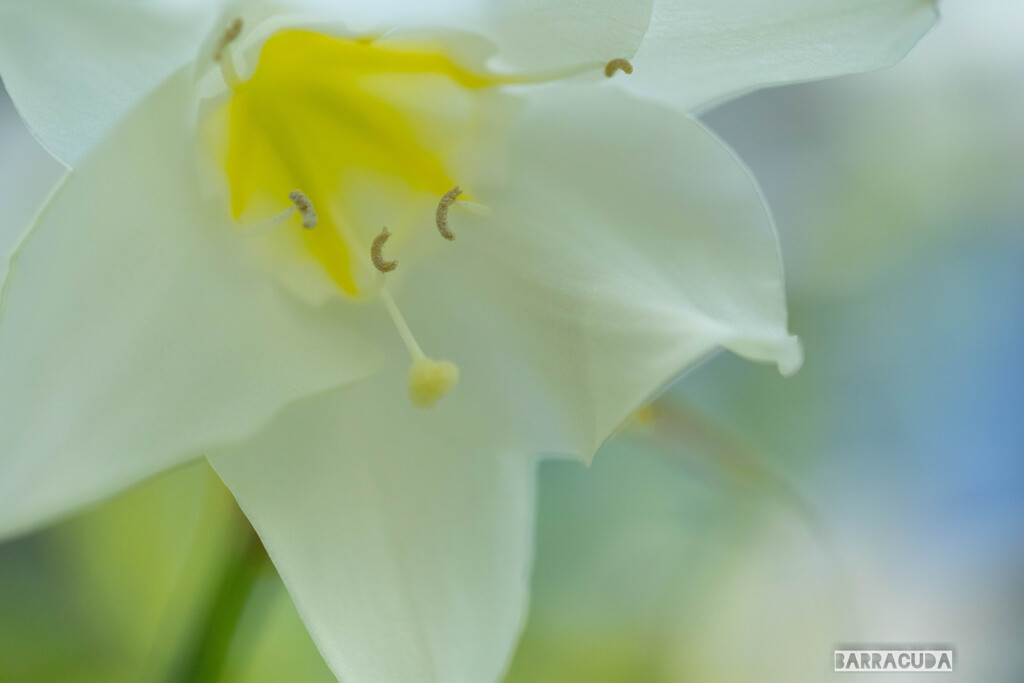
429,380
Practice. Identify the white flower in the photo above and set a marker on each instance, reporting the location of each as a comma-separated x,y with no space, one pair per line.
607,244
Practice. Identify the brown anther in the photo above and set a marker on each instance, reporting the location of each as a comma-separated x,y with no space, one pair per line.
375,252
618,64
442,212
230,34
305,207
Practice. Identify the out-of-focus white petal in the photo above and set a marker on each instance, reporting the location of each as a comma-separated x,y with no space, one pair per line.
404,536
73,69
696,54
138,329
628,244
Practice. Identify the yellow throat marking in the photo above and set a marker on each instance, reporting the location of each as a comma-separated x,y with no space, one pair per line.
314,111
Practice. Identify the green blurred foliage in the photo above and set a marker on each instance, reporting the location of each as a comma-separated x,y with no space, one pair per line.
120,592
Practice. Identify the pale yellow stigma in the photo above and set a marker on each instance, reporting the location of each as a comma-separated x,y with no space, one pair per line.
222,54
430,380
618,65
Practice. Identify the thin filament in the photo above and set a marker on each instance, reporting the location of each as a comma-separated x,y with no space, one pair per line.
403,328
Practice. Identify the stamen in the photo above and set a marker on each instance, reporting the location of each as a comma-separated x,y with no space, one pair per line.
618,64
302,205
305,207
222,55
441,216
375,252
429,380
230,34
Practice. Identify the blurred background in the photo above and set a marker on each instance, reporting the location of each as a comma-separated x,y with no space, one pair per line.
745,524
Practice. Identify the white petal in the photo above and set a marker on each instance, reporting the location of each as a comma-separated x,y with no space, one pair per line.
548,34
696,54
628,245
139,329
403,535
73,69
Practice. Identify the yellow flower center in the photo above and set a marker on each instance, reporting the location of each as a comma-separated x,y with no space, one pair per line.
354,134
332,117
